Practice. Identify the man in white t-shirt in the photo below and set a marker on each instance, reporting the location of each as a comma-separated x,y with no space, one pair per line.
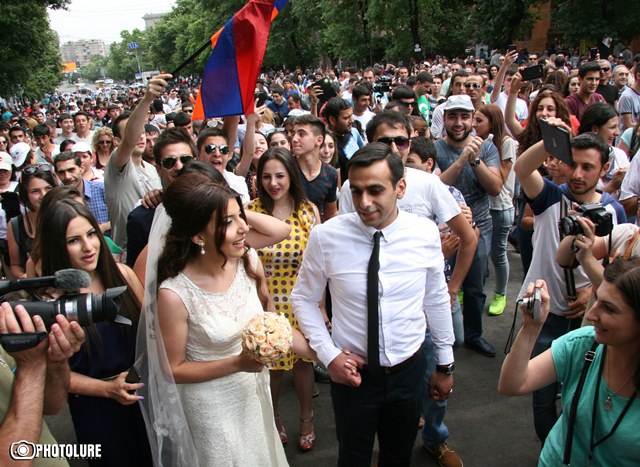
82,125
505,75
127,177
361,96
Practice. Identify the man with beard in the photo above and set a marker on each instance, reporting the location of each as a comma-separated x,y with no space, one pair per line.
127,177
473,167
339,117
550,203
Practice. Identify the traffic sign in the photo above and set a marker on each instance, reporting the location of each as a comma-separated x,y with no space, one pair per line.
132,45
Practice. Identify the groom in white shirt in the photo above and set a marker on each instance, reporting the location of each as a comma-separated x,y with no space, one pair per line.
379,391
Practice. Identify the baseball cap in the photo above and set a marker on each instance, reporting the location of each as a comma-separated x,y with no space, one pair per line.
459,102
81,146
19,153
5,161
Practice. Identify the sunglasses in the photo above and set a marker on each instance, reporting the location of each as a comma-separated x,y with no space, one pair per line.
605,69
170,162
402,142
104,141
412,104
31,169
3,141
472,85
209,148
187,111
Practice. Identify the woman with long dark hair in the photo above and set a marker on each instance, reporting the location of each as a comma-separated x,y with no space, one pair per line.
599,368
489,121
281,195
211,284
103,405
35,182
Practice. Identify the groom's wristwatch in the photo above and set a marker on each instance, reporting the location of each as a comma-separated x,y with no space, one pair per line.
446,369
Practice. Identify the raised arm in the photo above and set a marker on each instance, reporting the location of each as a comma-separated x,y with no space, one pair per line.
510,109
135,125
509,59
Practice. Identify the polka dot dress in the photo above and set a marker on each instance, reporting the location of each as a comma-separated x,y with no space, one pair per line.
281,265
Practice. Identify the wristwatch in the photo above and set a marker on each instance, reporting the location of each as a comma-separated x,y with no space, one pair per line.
475,162
446,369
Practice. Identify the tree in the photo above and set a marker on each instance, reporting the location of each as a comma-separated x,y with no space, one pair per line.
31,64
500,22
95,69
596,19
122,63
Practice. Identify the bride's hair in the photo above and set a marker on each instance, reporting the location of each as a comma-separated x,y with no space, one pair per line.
191,200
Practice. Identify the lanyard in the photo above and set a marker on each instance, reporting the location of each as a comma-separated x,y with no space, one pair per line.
593,445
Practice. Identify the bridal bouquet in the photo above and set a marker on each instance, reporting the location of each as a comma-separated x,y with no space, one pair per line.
267,337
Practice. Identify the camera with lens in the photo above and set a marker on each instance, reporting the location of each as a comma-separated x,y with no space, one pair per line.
382,84
595,212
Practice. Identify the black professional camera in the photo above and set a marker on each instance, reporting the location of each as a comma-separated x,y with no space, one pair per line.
382,84
596,213
85,308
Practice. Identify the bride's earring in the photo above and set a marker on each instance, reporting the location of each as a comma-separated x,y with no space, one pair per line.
202,252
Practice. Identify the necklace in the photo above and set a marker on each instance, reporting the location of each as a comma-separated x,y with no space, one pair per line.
283,212
608,403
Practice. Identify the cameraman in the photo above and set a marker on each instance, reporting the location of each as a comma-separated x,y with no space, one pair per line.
33,382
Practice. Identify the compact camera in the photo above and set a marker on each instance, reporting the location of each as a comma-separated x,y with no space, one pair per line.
595,212
532,304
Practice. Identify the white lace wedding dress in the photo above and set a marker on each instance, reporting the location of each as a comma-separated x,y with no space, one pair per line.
230,418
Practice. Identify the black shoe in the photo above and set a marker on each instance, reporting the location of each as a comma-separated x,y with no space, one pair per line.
481,346
321,374
316,390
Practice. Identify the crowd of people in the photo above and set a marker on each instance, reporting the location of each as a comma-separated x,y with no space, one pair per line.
363,205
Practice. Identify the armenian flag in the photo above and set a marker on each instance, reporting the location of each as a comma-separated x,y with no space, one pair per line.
229,78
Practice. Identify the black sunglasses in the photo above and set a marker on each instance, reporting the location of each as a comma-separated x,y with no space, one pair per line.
402,142
170,162
209,148
31,169
472,85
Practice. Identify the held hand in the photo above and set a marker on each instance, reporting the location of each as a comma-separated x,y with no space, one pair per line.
152,199
510,58
516,84
18,321
467,213
65,339
344,369
578,306
472,149
584,242
118,387
450,244
248,364
528,320
555,121
157,85
440,386
315,91
616,181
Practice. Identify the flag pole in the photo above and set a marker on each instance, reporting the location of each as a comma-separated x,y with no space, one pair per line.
191,58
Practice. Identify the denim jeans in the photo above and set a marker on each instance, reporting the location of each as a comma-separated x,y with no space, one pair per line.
545,413
434,431
502,222
473,287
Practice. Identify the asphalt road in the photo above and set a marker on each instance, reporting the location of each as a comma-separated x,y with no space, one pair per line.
486,429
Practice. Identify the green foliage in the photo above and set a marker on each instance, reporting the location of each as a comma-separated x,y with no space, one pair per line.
500,22
30,62
94,69
596,19
122,64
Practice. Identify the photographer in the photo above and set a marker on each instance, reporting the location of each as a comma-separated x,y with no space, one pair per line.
41,378
601,429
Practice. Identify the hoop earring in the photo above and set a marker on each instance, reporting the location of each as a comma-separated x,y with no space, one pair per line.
202,252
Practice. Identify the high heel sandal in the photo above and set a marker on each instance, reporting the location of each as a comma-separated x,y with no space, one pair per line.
282,432
305,442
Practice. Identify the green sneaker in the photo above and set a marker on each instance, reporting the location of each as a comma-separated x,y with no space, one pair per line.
498,304
460,296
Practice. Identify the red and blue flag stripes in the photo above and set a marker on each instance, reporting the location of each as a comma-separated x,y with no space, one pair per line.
229,78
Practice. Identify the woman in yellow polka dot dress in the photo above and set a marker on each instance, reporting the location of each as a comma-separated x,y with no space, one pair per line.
280,194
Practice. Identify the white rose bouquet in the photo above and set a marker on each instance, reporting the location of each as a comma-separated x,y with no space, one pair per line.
267,337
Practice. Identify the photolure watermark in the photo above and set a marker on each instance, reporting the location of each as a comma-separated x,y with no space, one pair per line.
26,450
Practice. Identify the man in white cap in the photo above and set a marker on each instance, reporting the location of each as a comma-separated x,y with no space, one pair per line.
473,167
21,155
83,151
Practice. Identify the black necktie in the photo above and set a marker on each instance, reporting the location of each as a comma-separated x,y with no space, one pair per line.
373,346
